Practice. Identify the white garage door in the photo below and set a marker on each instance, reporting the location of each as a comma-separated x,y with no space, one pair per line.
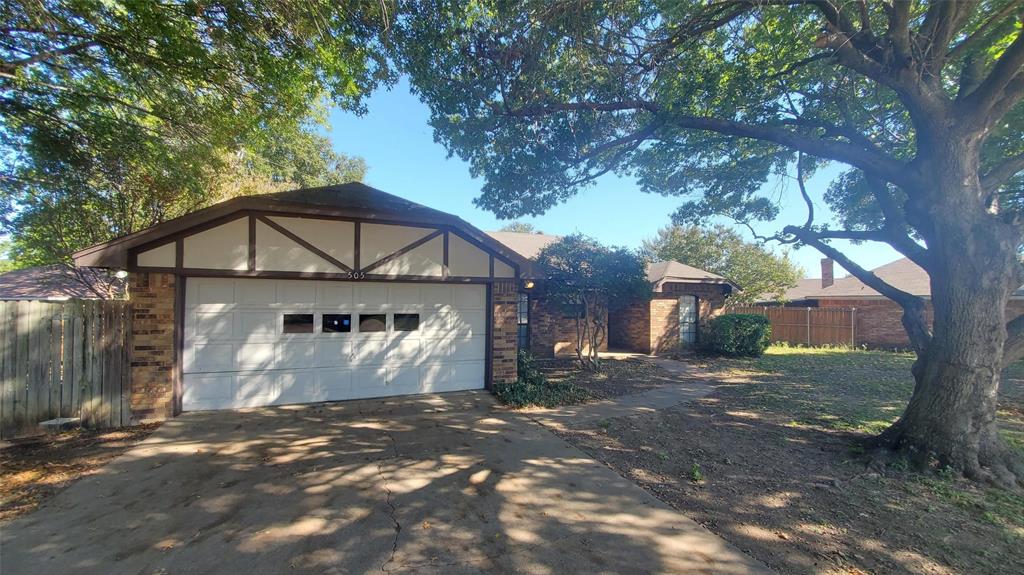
252,342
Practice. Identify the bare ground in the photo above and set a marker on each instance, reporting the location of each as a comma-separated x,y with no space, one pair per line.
36,468
770,462
619,376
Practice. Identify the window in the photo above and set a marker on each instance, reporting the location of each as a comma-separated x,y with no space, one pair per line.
337,323
688,320
370,322
298,323
523,319
407,321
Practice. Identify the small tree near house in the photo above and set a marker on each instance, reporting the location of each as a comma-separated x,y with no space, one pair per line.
586,279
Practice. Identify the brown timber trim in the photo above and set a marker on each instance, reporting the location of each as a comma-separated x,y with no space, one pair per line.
444,263
252,242
490,265
295,238
486,249
355,246
401,252
351,277
179,254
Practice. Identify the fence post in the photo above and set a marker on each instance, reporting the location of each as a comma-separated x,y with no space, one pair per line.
853,327
808,327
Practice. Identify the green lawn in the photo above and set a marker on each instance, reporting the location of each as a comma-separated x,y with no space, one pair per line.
863,391
846,389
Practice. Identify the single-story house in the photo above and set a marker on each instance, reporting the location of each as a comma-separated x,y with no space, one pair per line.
340,292
59,283
683,299
876,320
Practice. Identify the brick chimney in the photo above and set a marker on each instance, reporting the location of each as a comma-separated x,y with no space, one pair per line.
827,274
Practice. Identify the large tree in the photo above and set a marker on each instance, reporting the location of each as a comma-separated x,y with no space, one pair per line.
708,100
761,274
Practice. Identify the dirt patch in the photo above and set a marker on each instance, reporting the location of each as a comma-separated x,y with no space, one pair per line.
34,469
770,462
619,376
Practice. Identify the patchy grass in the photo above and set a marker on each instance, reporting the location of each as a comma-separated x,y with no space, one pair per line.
34,469
555,382
781,475
618,376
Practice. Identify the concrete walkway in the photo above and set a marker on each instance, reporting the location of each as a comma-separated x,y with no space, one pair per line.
429,484
691,385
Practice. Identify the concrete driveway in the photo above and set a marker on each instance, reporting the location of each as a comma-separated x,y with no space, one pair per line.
444,484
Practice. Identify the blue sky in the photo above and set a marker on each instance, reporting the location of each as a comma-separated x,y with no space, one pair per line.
398,145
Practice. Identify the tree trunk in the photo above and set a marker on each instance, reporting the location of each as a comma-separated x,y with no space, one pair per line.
951,417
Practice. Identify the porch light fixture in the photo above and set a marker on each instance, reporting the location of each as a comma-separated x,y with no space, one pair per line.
121,274
528,284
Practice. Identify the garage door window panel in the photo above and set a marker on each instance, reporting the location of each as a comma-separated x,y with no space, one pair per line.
337,323
298,323
407,322
372,322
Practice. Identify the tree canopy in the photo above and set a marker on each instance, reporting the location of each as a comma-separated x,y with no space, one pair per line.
761,274
917,102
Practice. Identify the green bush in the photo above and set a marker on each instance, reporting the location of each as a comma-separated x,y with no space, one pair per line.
739,334
533,389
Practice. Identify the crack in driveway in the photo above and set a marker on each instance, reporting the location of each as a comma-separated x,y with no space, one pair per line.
390,502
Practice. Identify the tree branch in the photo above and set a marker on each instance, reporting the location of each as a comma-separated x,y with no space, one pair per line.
871,161
914,319
993,88
1000,173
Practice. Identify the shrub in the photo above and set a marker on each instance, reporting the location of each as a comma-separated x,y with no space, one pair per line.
739,334
533,389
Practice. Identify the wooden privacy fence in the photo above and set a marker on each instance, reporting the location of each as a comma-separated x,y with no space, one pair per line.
63,360
808,325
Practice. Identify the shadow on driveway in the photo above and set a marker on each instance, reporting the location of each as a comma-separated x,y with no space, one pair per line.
439,484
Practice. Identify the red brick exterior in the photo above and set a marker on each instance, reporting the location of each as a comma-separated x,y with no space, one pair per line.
504,332
552,332
653,326
152,353
877,321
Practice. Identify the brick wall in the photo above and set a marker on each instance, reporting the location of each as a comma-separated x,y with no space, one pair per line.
629,327
152,352
877,321
552,332
504,331
653,327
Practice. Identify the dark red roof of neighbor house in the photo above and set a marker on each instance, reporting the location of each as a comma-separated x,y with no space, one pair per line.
58,282
902,274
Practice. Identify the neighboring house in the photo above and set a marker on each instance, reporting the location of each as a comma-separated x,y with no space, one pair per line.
877,320
683,299
59,283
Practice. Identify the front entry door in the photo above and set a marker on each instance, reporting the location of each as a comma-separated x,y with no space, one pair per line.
687,320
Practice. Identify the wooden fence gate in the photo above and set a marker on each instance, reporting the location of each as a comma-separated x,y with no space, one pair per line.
808,325
63,360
